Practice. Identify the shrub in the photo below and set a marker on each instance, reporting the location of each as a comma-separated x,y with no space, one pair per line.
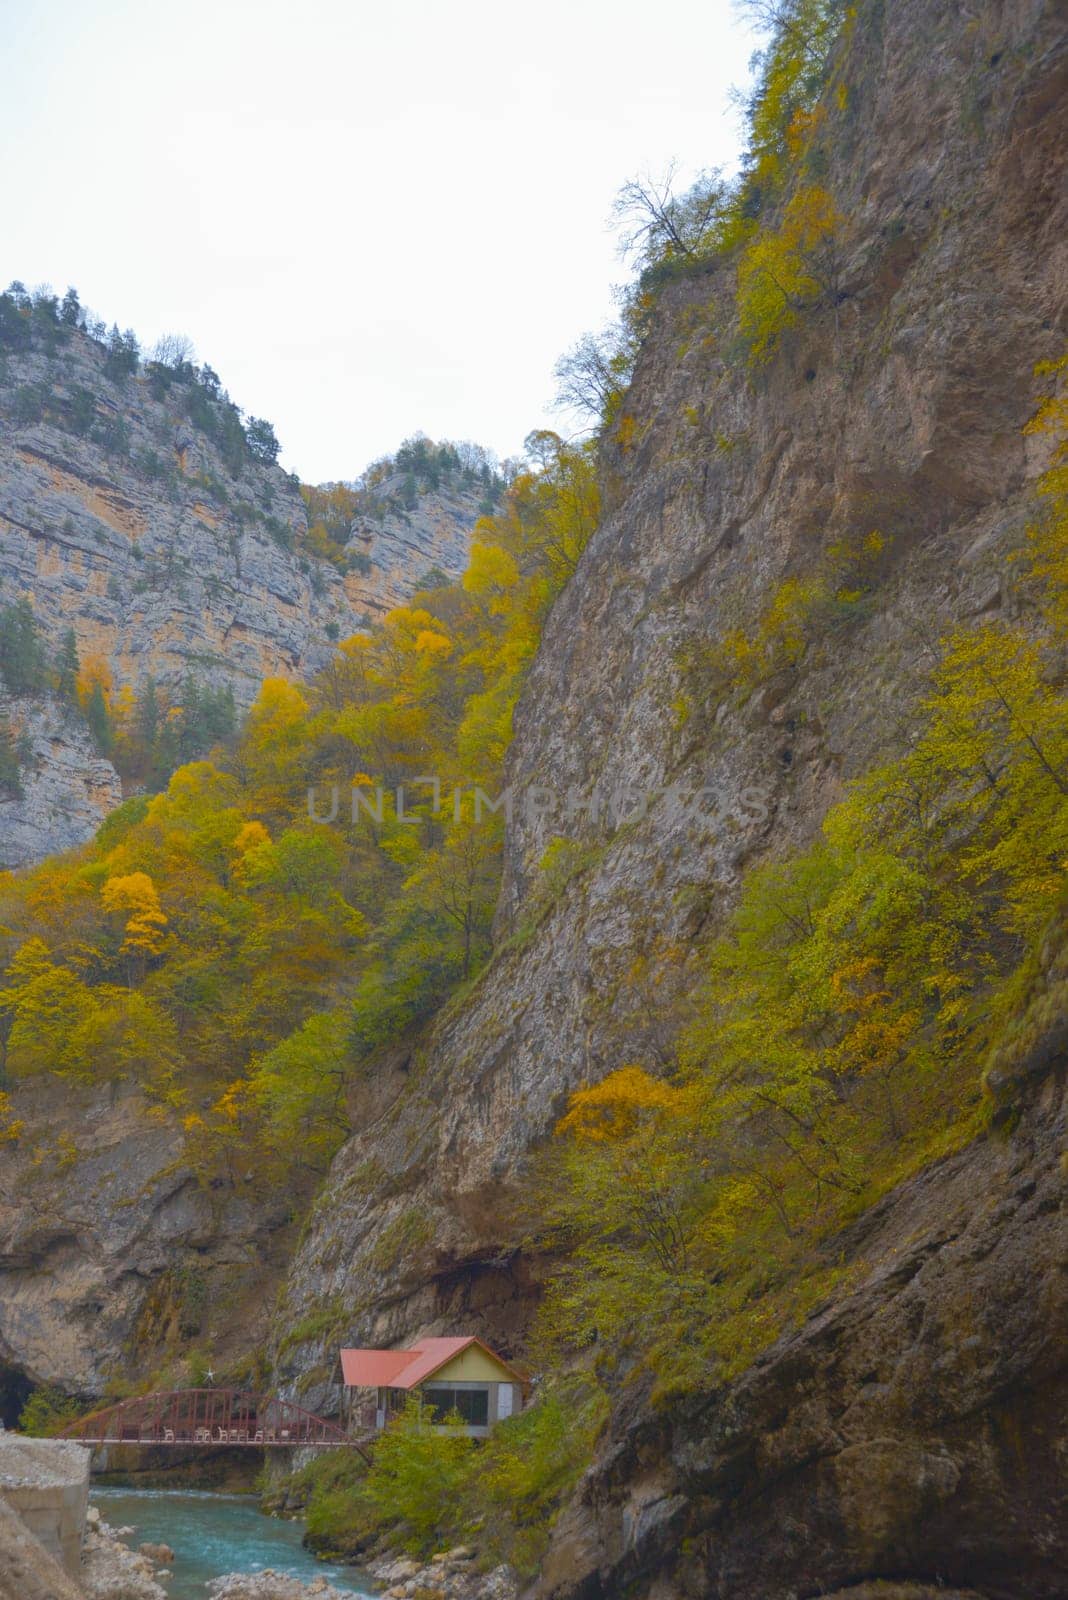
47,1411
416,1481
426,1488
785,270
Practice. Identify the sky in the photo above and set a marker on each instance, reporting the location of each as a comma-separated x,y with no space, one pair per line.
370,219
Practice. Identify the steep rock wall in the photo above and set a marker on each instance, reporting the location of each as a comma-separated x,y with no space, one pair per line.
122,520
900,411
911,1430
162,559
113,1256
914,1427
67,788
402,544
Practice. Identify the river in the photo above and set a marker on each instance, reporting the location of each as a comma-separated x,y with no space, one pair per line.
211,1534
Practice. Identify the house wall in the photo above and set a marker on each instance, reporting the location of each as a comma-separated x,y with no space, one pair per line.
495,1390
472,1369
470,1366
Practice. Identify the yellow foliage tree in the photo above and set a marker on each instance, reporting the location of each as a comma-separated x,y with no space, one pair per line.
611,1109
135,895
94,673
786,269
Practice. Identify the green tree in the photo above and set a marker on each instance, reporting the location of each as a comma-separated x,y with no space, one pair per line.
66,669
10,769
417,1478
98,718
47,1412
123,354
299,1086
22,657
70,312
82,411
261,439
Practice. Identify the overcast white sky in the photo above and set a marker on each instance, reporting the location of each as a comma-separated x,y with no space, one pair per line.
369,218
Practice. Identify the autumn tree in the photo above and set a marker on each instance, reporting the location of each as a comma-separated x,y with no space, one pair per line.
134,896
784,270
655,223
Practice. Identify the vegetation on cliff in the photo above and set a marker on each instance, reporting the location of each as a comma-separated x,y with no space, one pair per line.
775,222
41,320
837,1040
240,942
244,960
146,734
425,1489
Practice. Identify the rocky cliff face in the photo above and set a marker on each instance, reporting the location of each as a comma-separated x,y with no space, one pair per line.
131,523
130,515
113,1255
400,544
911,1428
125,521
67,788
901,411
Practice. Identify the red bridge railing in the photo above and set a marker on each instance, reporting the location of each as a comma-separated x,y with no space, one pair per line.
210,1417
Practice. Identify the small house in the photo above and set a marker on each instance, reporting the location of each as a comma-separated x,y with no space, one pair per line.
461,1376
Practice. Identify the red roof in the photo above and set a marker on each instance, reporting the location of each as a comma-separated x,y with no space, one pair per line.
372,1369
405,1369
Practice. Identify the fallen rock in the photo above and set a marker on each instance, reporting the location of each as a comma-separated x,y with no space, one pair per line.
112,1571
157,1552
27,1571
449,1575
396,1571
269,1585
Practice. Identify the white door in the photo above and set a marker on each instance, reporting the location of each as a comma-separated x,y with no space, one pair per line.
505,1394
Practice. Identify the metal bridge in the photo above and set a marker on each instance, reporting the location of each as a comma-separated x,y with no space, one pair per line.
212,1417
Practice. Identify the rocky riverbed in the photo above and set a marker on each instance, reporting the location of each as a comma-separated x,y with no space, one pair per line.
451,1575
111,1570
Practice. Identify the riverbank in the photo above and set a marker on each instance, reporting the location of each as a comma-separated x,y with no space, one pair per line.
451,1575
443,1578
112,1570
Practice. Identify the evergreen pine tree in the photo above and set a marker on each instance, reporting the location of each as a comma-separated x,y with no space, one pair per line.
22,660
148,718
70,311
67,668
10,779
99,720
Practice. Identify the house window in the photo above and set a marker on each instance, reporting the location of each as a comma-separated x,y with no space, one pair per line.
472,1405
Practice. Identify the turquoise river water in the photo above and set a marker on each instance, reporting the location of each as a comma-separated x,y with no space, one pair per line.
215,1533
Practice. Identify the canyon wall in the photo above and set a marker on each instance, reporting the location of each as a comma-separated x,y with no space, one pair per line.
898,410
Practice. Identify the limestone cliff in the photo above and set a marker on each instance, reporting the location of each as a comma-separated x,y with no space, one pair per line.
133,513
131,524
67,787
900,410
396,544
114,1257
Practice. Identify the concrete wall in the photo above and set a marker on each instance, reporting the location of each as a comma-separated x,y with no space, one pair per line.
27,1571
47,1482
